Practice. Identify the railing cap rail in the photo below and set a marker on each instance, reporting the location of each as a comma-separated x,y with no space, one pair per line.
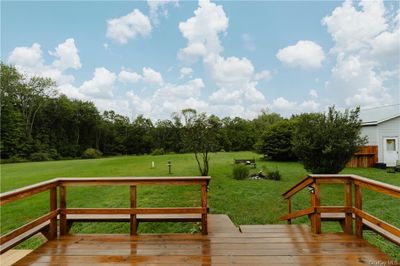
42,186
150,178
361,180
35,187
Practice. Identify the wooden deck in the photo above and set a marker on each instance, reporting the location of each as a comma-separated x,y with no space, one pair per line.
224,245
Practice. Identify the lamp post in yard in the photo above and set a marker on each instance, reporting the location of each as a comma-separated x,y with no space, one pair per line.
169,167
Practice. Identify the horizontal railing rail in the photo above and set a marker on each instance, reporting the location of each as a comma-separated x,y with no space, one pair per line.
48,224
348,212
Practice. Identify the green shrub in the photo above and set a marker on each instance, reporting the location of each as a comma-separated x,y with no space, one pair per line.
158,152
39,156
324,143
276,141
240,172
14,159
274,175
91,154
53,154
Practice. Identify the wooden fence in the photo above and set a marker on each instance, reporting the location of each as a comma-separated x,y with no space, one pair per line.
366,157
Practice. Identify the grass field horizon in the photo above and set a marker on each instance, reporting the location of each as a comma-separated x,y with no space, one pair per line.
244,201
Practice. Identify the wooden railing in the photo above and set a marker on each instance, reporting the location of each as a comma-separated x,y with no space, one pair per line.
346,213
48,223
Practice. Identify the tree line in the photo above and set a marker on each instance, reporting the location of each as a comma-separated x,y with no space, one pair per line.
36,120
38,124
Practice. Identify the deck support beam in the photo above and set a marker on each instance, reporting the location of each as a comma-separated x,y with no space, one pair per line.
358,205
348,220
133,218
315,217
53,221
204,229
63,206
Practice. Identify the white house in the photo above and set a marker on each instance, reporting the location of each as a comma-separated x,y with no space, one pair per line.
382,127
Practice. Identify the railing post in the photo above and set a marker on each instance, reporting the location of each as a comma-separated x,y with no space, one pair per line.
133,221
348,219
358,205
53,221
289,221
315,202
204,229
63,207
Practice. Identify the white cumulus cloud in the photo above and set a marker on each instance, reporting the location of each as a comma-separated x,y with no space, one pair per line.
67,55
151,76
366,45
159,8
129,77
185,72
313,93
101,85
304,54
265,74
127,27
29,60
202,31
352,29
26,56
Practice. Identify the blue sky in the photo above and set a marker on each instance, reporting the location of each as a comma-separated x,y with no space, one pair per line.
231,58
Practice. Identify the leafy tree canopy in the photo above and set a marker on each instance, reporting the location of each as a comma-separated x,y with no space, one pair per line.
326,142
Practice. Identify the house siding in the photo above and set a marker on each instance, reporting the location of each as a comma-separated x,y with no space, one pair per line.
371,133
390,128
377,133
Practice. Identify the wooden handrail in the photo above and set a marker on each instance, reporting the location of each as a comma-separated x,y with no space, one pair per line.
299,186
132,181
349,212
27,191
47,224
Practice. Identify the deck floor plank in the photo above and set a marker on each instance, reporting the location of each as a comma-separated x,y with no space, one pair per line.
225,245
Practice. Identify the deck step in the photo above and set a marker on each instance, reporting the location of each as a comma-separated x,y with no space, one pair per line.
275,228
13,255
220,223
22,237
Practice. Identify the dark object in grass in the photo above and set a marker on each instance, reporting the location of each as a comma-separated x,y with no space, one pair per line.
91,153
240,172
391,170
256,176
380,165
274,175
251,162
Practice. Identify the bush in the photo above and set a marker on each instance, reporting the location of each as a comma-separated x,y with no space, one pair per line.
324,143
158,152
14,159
274,175
39,156
240,172
53,154
91,154
276,141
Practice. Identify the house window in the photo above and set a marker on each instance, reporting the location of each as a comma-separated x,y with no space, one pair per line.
390,144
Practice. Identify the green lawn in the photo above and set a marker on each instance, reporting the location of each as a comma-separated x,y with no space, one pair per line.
246,202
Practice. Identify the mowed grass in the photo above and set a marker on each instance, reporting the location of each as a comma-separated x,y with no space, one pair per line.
245,201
